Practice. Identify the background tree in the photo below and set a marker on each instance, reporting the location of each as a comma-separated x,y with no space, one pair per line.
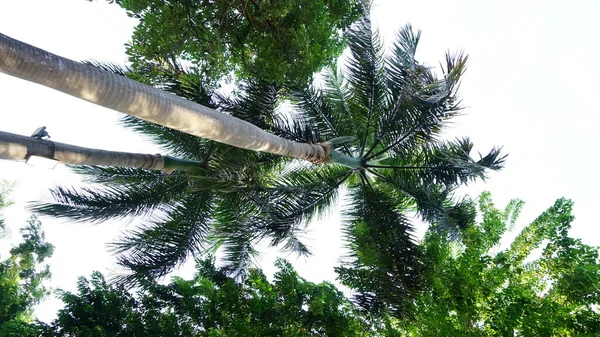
210,304
21,282
283,41
393,106
5,189
475,289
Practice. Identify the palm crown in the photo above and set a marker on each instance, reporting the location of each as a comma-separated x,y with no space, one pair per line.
394,108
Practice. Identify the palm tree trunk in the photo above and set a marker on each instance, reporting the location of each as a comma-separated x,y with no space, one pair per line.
133,98
17,147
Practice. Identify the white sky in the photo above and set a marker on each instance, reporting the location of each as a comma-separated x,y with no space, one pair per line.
530,86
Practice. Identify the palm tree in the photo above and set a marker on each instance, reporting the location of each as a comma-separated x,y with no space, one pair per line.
236,185
394,108
17,147
136,99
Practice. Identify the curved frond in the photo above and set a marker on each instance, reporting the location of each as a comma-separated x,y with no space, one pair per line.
256,102
239,252
448,163
320,115
301,192
433,202
111,67
276,211
117,176
117,201
366,79
419,102
385,266
233,232
156,248
260,103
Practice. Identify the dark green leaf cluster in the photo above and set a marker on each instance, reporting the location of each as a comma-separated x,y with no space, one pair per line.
21,281
386,265
475,289
283,41
210,304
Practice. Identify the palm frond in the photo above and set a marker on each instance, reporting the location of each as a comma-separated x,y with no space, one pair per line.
255,102
433,202
399,70
319,114
303,192
112,202
108,175
338,95
366,79
402,59
275,210
448,163
420,101
115,68
385,266
293,244
234,233
155,249
239,253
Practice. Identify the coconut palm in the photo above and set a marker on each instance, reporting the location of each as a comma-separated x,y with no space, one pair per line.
394,108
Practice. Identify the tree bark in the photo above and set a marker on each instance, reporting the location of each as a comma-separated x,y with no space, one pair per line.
17,147
133,98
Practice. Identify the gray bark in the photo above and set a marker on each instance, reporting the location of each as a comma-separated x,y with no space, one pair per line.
133,98
17,147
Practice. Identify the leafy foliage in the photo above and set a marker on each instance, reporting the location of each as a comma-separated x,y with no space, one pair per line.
392,105
476,290
210,304
282,41
21,281
5,189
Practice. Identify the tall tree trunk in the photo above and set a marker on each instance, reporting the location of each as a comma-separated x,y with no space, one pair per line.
17,147
133,98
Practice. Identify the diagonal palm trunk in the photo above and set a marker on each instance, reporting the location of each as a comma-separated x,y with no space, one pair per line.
133,98
17,147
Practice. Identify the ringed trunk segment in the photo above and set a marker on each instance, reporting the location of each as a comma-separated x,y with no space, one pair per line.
119,93
17,147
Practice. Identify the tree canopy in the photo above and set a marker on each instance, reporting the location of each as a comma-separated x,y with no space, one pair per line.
5,189
210,304
283,41
21,281
545,284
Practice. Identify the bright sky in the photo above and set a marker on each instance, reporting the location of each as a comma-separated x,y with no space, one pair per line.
530,86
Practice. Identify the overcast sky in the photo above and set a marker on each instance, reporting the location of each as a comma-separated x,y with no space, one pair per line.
531,86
